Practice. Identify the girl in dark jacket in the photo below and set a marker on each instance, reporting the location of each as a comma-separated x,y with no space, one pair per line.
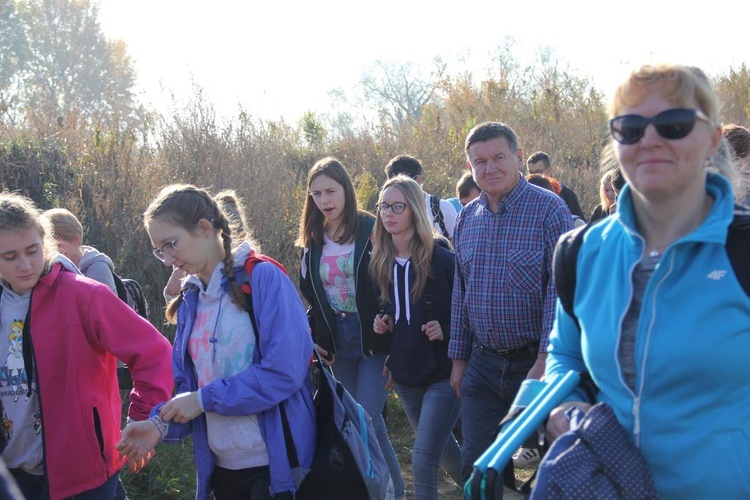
413,270
334,278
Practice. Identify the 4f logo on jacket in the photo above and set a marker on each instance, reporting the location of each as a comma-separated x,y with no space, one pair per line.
716,275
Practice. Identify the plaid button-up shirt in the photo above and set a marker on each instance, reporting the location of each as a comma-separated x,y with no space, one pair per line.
503,294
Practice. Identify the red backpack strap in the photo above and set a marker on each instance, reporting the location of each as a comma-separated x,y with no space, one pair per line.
255,258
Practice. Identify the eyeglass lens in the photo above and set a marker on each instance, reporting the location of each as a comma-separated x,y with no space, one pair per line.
397,208
166,249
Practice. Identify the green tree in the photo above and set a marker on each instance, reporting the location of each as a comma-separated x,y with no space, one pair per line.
11,51
69,70
315,132
733,88
400,90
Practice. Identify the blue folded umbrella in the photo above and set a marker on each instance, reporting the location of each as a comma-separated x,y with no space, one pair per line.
492,462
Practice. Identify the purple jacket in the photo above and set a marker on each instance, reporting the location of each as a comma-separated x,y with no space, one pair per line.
281,376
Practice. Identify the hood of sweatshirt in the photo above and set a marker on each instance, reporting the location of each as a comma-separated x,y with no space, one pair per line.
239,256
66,263
91,256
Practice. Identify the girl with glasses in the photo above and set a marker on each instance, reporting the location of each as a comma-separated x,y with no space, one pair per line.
62,334
663,323
234,209
334,278
229,389
413,270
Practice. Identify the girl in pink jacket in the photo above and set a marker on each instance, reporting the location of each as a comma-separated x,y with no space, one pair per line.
61,406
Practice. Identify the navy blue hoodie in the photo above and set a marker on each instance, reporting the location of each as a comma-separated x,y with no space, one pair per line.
414,360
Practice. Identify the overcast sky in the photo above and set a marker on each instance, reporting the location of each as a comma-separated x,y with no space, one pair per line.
281,58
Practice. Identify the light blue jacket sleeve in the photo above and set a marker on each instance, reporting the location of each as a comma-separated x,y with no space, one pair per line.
565,352
285,345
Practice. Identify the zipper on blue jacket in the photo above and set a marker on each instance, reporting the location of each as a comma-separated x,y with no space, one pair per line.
657,287
637,421
635,409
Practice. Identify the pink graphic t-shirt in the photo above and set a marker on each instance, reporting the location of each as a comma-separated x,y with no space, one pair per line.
337,275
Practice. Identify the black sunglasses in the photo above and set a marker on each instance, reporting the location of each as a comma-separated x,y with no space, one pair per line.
671,124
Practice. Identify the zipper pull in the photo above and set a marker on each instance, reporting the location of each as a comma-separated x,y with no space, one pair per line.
637,418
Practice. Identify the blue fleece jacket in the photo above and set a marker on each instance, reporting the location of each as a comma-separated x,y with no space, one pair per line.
281,376
690,411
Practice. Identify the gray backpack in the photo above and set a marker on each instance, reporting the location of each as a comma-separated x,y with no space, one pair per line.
348,461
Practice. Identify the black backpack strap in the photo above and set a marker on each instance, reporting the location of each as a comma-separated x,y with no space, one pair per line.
564,265
291,451
738,246
437,215
120,287
136,292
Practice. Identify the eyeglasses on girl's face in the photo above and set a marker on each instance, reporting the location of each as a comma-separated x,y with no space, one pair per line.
671,124
167,249
396,208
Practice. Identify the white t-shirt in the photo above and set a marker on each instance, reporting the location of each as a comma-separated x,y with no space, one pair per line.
22,418
449,215
221,345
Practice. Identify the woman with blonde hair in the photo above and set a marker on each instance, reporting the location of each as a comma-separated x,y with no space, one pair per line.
413,269
662,320
607,197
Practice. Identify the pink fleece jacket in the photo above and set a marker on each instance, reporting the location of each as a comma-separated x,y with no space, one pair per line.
78,328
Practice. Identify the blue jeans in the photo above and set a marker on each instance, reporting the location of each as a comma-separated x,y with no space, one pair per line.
363,378
33,487
488,388
121,493
432,412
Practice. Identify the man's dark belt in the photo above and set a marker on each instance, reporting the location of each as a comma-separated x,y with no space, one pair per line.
530,350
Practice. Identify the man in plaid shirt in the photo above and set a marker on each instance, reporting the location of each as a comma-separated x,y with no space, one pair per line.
503,296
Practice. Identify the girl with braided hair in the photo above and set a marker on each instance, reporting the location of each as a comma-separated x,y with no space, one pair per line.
233,209
229,390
